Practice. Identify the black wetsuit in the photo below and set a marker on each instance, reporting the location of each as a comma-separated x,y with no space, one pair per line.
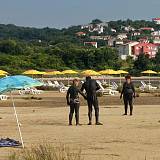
128,93
73,100
91,86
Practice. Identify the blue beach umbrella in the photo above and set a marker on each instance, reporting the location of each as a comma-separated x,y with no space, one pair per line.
13,83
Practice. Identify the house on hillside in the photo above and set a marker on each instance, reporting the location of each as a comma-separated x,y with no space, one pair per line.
156,20
122,36
86,26
147,29
95,27
94,44
100,37
136,33
113,30
80,34
127,28
155,33
125,49
146,48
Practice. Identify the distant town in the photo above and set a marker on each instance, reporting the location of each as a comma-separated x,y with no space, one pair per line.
128,40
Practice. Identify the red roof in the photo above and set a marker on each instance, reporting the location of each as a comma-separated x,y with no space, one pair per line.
155,19
80,33
93,43
145,44
147,28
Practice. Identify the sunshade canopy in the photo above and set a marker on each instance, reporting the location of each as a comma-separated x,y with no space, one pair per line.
122,72
17,82
69,72
149,72
90,73
33,72
53,73
108,72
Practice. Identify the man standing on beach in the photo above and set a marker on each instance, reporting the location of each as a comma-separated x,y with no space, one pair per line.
91,86
73,101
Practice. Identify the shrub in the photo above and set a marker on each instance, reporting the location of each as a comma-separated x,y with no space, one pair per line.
47,152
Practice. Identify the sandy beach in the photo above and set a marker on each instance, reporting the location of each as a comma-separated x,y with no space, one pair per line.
120,138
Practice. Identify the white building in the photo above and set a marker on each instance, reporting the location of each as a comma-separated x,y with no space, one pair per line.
155,33
156,39
122,36
156,20
94,44
125,50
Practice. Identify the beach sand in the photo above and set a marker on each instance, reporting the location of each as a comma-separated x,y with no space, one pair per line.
120,138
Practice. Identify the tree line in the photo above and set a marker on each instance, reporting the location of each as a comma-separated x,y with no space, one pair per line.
17,56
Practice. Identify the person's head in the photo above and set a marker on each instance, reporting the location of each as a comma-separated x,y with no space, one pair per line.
128,78
75,82
88,78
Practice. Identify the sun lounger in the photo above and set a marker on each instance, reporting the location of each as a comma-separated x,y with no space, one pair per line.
106,91
3,97
50,84
63,88
147,86
30,91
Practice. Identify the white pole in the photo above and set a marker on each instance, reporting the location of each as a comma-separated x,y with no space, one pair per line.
17,120
120,80
149,81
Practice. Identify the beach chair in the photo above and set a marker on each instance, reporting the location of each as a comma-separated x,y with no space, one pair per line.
63,88
3,97
114,86
106,91
30,91
57,85
146,86
50,84
35,91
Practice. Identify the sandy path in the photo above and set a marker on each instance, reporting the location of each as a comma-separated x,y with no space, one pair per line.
120,138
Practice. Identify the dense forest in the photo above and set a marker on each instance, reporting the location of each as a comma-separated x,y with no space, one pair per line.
24,48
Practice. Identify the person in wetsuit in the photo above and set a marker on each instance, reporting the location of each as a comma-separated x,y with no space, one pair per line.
128,92
73,101
91,86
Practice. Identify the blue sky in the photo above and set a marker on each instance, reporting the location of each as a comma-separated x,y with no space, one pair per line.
63,13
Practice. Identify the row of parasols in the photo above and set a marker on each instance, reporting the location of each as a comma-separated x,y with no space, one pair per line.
83,73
